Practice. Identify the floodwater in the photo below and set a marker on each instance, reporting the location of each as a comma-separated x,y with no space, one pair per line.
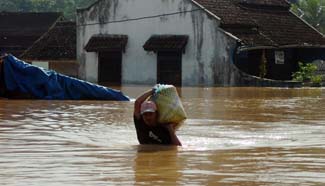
233,136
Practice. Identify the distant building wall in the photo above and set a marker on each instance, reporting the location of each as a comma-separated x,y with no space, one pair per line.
68,68
208,55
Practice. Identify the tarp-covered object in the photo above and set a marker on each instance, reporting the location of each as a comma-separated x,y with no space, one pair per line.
47,84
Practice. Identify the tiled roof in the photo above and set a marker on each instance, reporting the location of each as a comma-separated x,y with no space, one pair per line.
106,42
266,3
267,22
166,43
56,44
20,30
248,35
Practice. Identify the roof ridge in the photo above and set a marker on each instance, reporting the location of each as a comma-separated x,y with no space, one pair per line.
22,13
276,3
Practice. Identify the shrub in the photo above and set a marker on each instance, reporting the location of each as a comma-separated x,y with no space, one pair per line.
305,72
316,79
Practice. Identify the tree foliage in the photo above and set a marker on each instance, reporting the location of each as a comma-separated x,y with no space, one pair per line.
305,72
68,7
312,11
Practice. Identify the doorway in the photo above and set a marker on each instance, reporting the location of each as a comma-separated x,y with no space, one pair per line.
169,68
110,68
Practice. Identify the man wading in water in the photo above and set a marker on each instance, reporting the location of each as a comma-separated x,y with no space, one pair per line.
149,131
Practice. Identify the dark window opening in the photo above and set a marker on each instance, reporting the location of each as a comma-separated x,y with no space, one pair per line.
169,68
169,49
110,68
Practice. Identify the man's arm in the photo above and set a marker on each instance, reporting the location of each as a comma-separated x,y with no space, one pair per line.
139,101
174,138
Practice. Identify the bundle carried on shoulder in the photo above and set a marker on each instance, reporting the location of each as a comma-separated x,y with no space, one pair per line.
169,105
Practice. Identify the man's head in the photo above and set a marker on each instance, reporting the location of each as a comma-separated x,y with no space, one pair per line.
149,113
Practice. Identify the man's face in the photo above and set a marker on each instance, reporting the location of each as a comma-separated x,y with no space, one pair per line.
150,118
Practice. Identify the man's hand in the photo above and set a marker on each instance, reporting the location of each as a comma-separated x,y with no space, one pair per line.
139,101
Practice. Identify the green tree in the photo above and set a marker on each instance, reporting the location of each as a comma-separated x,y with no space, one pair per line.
15,5
42,5
8,6
312,11
305,72
68,7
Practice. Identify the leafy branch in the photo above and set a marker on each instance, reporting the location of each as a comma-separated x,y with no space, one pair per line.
306,72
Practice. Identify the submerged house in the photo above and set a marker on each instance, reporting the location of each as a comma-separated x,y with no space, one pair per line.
19,30
55,49
267,29
193,42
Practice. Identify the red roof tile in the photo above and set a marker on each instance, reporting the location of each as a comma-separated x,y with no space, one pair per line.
271,20
166,43
106,42
56,44
19,30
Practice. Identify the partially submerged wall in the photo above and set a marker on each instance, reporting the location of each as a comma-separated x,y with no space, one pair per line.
208,56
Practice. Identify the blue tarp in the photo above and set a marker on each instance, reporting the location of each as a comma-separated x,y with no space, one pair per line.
47,84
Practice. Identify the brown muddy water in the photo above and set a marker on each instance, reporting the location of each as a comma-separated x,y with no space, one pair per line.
234,136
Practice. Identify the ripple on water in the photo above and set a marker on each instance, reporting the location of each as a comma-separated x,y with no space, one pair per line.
232,137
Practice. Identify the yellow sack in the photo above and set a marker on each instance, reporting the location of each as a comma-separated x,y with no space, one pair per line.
169,105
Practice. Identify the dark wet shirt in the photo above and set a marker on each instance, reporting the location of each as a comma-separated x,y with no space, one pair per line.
151,135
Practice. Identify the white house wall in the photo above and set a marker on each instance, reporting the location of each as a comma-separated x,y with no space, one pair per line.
207,53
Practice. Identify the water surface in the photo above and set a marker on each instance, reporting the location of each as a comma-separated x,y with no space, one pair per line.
234,136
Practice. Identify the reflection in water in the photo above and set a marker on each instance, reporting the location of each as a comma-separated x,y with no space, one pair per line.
153,165
234,136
